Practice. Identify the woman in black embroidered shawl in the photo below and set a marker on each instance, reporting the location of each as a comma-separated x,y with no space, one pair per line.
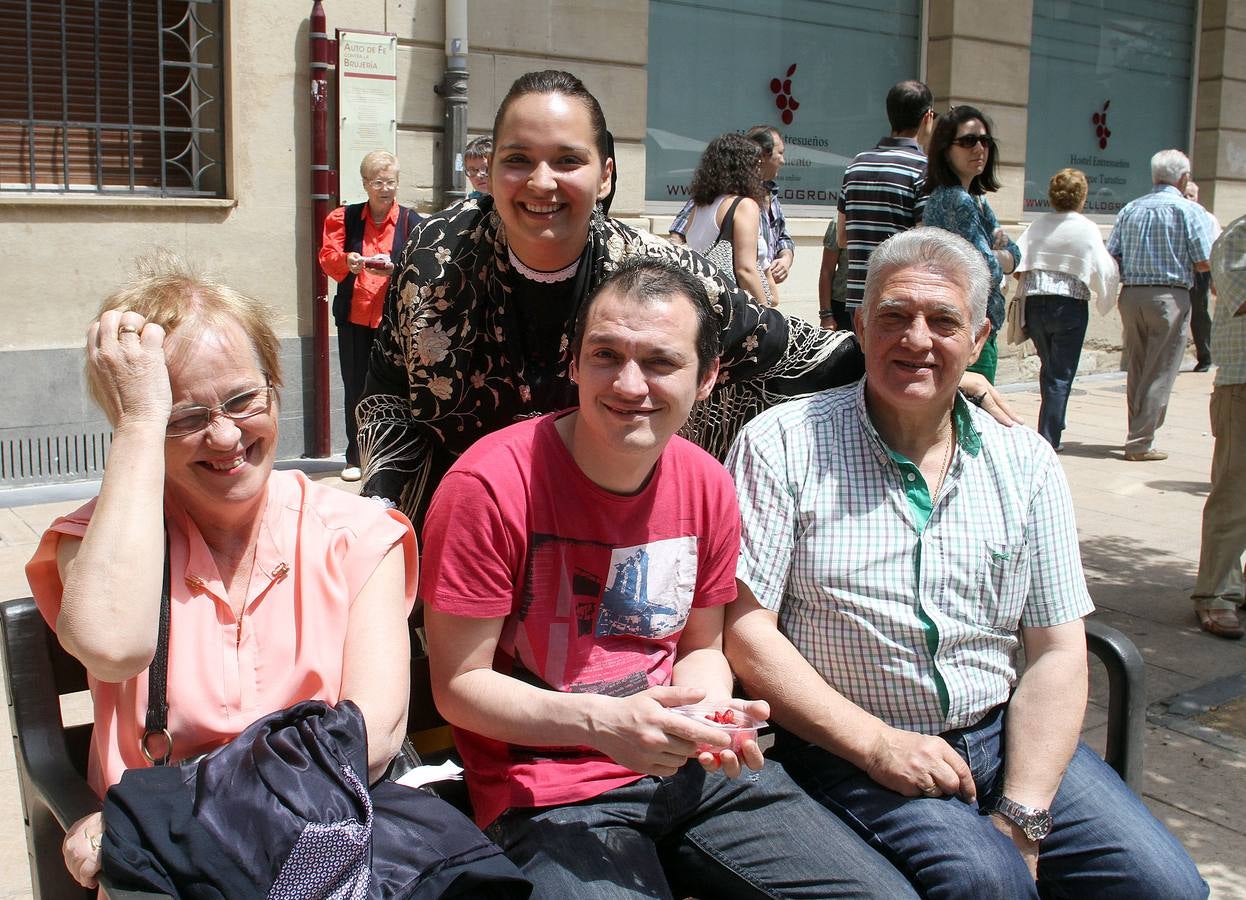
476,323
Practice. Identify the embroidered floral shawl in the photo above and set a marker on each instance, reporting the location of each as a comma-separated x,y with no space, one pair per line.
446,367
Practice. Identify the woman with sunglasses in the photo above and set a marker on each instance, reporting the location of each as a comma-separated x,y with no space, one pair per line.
280,590
960,170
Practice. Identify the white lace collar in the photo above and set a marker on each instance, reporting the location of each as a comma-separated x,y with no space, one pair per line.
539,276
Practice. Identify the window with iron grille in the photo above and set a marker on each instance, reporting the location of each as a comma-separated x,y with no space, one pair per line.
112,97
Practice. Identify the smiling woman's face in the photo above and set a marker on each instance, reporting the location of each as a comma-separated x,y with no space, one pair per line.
547,176
229,461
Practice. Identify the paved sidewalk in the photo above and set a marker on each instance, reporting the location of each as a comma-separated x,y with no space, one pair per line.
1139,529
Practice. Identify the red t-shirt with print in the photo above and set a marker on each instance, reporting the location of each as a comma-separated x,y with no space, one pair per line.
595,587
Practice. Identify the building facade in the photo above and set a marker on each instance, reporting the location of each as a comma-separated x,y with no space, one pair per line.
187,125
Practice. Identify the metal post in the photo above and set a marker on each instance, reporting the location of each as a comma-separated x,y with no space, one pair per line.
321,64
453,92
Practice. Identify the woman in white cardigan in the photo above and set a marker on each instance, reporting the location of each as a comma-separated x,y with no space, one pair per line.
1063,260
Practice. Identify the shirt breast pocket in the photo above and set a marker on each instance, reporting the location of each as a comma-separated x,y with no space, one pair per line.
1004,585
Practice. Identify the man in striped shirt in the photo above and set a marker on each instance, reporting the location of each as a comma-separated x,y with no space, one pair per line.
881,193
898,546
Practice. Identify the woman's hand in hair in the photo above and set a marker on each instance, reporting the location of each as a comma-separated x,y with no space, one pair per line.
125,356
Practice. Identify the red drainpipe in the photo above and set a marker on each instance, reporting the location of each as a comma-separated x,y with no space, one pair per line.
322,183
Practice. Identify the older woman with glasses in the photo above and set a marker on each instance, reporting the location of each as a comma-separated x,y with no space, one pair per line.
960,171
279,590
360,244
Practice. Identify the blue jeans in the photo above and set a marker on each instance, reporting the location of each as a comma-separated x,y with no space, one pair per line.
703,834
1057,326
1104,844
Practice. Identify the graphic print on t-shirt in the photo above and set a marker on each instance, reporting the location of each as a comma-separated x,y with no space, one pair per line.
650,587
596,617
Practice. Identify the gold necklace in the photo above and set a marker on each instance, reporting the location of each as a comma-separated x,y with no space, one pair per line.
945,465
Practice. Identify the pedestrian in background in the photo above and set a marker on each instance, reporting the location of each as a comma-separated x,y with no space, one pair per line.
476,157
360,244
728,193
781,247
960,171
1200,314
882,192
833,280
1063,260
1159,241
1219,589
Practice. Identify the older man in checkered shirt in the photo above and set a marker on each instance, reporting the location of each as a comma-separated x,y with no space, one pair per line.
898,548
1159,241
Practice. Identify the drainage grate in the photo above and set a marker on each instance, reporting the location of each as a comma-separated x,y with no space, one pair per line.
47,458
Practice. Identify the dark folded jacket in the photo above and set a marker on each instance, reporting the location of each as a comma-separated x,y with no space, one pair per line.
282,811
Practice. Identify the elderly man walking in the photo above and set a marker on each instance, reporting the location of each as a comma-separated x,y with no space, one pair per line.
1219,588
897,547
1160,241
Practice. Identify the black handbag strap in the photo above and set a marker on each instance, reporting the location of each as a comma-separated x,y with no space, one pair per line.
157,722
724,231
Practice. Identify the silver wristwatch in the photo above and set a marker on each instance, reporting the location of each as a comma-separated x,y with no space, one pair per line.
1036,823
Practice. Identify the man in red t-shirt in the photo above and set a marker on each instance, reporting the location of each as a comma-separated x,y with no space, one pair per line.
575,570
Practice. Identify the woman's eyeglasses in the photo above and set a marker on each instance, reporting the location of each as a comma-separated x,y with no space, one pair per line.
969,141
191,419
383,184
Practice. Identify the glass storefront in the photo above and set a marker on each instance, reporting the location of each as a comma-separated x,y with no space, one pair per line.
817,71
1109,86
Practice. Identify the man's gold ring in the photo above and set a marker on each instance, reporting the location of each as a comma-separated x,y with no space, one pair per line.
930,790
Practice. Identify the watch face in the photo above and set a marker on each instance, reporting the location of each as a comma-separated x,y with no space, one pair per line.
1037,827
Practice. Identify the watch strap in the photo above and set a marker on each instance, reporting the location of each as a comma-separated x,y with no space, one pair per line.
1036,823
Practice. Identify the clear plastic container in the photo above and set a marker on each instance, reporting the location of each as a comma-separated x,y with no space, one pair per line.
741,727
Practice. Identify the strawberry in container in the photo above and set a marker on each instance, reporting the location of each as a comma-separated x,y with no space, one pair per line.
736,723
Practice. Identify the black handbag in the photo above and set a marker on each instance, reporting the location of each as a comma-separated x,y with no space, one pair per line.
721,253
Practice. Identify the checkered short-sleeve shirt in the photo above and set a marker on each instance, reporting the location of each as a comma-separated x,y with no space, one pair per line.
917,623
1228,331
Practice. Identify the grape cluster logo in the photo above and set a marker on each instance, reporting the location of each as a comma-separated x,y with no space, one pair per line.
782,89
1100,121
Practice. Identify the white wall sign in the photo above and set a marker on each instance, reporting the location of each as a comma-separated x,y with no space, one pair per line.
367,103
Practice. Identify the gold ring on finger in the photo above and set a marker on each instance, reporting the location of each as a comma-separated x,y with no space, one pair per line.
930,790
126,329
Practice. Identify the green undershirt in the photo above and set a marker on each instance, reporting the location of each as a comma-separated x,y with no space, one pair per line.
922,504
